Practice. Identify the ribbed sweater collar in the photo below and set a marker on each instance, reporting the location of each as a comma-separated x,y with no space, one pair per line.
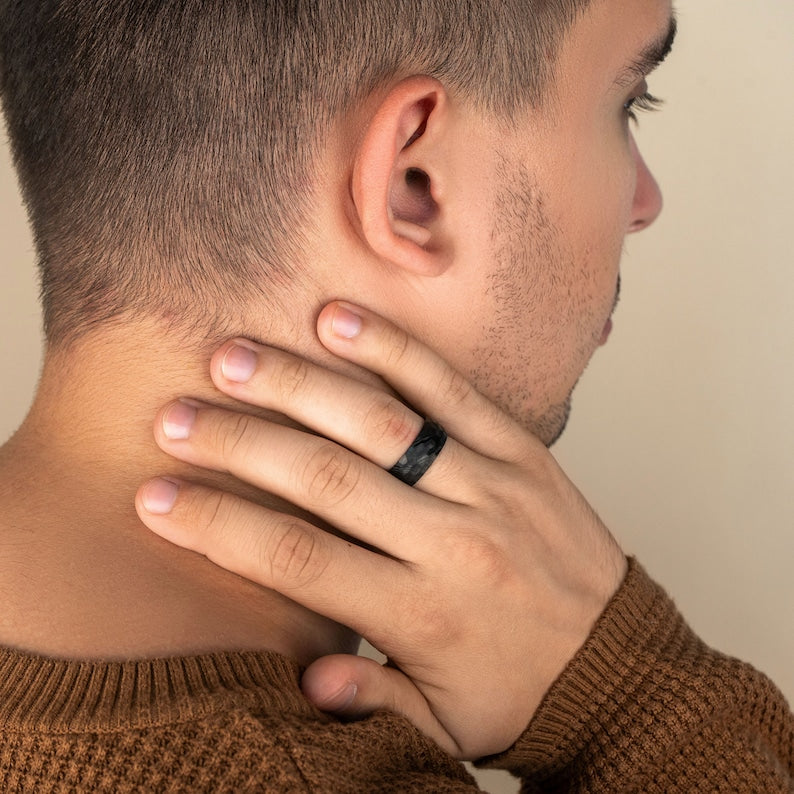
52,694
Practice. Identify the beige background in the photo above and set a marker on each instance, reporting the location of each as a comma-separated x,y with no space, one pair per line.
683,436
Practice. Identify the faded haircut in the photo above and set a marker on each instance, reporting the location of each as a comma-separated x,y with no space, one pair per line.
165,148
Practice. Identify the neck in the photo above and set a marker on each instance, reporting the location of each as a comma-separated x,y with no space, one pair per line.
86,579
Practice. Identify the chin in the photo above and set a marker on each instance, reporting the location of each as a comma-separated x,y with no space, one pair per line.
550,425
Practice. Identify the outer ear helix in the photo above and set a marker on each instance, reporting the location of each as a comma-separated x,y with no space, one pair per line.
395,207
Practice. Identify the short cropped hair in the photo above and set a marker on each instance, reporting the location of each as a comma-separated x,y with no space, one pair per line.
165,148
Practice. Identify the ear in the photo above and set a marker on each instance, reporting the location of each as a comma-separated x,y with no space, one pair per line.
398,178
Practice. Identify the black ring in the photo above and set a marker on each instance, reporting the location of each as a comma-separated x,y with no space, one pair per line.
419,457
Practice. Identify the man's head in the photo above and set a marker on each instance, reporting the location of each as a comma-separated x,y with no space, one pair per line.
168,148
466,168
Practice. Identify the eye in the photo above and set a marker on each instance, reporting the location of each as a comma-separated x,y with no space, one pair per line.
640,104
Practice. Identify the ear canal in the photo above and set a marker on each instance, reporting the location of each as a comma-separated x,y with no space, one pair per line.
411,198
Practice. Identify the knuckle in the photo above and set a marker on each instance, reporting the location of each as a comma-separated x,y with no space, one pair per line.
396,347
294,556
331,474
234,436
213,513
292,378
484,558
453,388
390,423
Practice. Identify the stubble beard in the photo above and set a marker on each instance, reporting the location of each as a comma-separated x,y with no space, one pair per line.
528,258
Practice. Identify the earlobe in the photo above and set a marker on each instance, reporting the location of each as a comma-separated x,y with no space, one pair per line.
398,176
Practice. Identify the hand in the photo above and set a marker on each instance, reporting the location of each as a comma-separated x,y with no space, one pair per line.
480,583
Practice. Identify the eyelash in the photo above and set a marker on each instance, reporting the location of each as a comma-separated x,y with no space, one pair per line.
642,104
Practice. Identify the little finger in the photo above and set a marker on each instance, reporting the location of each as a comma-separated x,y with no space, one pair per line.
314,568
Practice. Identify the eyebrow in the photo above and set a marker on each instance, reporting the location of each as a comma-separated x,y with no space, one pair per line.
651,57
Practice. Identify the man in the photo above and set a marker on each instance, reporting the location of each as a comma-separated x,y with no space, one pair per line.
194,174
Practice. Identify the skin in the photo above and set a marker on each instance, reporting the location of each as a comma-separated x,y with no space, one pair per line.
569,185
481,545
528,263
550,572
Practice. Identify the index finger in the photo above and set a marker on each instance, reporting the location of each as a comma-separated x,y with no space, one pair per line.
422,378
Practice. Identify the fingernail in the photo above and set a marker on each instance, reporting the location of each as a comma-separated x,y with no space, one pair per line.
342,698
158,496
346,323
178,421
238,364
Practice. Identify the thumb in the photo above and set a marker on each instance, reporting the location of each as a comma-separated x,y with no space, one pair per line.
353,687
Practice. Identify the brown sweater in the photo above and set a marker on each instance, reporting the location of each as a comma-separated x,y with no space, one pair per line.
644,707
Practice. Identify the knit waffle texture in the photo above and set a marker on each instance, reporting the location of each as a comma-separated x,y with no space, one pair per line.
644,706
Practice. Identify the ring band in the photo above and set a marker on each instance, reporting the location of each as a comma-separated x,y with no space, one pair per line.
419,457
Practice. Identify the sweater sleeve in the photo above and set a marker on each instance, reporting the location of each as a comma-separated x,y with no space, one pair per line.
646,706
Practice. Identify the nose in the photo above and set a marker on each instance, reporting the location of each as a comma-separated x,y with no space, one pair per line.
647,195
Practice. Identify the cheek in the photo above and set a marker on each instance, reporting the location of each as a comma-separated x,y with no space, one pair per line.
553,256
598,224
602,177
593,226
611,185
